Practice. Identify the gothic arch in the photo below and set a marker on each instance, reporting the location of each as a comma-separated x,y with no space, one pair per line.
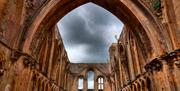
78,79
100,76
100,82
125,10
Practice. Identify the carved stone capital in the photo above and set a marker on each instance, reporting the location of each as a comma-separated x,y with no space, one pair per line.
29,61
153,65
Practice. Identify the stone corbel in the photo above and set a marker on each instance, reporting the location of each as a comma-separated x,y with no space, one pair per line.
171,58
177,58
156,64
15,55
29,61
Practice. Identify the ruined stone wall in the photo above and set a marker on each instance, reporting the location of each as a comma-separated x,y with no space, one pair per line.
133,69
135,62
80,70
44,71
32,55
16,16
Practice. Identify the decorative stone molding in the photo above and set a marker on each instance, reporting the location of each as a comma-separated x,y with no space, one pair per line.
176,58
15,55
27,59
155,6
29,4
171,58
153,65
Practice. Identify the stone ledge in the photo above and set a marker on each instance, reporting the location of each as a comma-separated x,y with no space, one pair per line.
156,64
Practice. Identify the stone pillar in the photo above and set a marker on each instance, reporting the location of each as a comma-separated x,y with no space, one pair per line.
113,86
60,71
137,59
51,55
130,62
95,81
45,57
46,86
116,82
85,84
121,76
75,88
170,20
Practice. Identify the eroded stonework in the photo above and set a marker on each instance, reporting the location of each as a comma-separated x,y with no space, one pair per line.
145,58
80,70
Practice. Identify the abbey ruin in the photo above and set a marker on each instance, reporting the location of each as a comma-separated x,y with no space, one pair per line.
145,58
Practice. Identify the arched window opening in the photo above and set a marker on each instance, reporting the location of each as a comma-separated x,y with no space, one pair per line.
75,26
100,83
80,83
90,80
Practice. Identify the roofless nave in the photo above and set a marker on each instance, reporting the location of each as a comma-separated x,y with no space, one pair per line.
146,57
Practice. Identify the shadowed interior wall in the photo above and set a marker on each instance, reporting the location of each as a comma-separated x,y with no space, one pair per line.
146,57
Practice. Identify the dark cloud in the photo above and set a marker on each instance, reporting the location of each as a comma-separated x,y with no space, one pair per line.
87,33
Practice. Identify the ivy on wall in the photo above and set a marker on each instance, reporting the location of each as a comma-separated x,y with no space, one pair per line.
157,5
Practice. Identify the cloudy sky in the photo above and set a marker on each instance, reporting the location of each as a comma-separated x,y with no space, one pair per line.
87,33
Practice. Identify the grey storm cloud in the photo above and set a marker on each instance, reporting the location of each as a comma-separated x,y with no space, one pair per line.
87,33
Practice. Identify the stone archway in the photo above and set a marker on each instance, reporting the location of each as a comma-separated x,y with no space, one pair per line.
146,36
125,10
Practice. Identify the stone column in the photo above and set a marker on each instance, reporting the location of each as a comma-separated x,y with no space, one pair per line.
130,62
85,84
137,59
51,55
116,82
60,71
46,86
95,81
121,77
168,76
45,56
75,84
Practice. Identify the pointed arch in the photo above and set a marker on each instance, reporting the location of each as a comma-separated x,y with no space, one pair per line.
125,10
90,79
80,83
100,81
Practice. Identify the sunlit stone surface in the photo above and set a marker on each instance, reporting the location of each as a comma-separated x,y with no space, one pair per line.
146,56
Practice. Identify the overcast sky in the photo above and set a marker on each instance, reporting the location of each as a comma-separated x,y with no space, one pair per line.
87,33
